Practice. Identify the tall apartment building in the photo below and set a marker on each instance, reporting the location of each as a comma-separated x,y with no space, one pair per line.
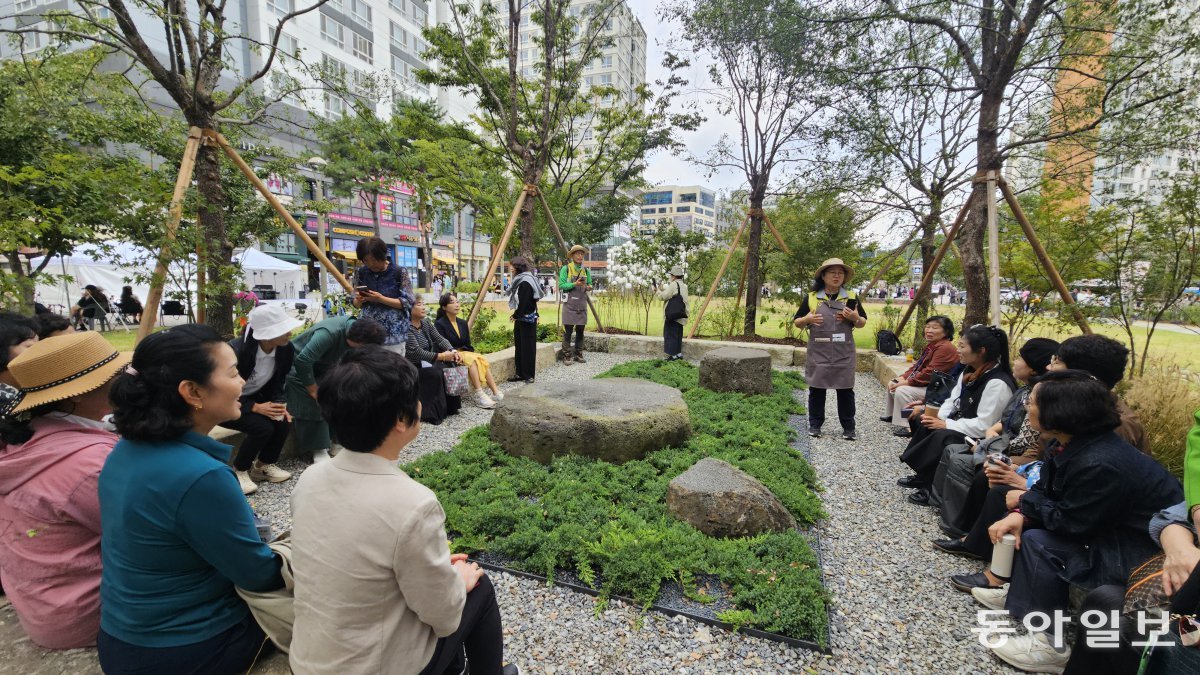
691,208
621,65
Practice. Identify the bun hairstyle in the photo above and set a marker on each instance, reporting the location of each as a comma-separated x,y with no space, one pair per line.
146,401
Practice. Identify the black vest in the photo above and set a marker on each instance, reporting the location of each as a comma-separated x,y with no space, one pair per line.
972,392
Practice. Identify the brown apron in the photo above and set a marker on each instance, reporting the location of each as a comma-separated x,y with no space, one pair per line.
575,309
831,353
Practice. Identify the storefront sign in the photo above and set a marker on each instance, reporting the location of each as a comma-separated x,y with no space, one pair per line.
353,231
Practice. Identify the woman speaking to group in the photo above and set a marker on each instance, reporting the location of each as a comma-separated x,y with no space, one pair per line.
831,313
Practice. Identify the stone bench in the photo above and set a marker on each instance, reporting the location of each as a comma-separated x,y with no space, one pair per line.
737,369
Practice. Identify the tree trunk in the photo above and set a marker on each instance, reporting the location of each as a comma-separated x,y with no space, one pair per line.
525,225
753,244
427,232
218,262
26,286
929,229
974,230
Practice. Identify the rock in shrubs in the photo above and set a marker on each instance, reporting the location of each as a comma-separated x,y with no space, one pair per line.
737,369
615,419
721,500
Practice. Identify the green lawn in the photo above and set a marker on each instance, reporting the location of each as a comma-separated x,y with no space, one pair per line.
1168,347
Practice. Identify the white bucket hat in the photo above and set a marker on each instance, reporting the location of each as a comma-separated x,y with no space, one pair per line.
271,321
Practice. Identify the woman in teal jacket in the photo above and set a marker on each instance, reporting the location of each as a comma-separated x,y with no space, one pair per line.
177,534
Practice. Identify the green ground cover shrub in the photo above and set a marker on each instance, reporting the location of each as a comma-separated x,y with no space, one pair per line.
609,524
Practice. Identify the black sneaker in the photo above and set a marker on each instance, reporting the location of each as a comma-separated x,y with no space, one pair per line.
848,435
815,432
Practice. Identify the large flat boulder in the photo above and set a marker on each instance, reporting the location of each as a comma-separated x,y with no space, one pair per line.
721,500
615,419
737,369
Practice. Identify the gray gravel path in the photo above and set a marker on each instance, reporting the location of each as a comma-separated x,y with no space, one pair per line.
893,608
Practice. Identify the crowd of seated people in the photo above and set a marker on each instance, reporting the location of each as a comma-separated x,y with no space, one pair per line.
1059,467
184,581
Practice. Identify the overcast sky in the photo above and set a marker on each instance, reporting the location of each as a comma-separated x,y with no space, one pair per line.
665,169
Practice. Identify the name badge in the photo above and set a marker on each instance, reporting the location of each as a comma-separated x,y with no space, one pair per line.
839,337
820,339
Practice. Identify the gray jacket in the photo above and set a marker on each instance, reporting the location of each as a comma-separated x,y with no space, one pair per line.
1172,515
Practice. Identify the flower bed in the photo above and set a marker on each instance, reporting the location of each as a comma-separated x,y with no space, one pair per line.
608,525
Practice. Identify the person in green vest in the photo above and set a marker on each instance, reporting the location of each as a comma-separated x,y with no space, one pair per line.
317,350
575,280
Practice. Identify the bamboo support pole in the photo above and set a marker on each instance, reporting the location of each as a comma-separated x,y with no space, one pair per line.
927,278
485,283
716,281
562,245
1043,256
993,234
282,212
171,229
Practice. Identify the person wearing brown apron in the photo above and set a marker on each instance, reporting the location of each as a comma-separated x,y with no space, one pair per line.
575,280
831,313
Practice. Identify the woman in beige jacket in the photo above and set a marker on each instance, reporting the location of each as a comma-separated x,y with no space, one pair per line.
377,590
673,321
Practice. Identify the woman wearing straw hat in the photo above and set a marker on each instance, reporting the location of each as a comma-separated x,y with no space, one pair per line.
672,321
576,281
55,446
831,313
265,355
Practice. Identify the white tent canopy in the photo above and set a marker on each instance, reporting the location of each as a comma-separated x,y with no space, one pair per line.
115,264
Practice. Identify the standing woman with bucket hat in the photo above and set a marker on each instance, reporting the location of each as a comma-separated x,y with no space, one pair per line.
576,281
831,312
675,313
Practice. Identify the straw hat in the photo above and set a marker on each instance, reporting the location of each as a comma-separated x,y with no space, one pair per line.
271,321
63,366
579,248
836,262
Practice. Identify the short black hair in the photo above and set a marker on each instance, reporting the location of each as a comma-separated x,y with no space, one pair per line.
14,329
991,340
365,394
945,322
49,324
371,246
366,332
1076,403
1099,355
147,406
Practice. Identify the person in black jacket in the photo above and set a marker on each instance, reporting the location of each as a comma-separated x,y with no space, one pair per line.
458,334
523,295
1085,523
265,355
431,354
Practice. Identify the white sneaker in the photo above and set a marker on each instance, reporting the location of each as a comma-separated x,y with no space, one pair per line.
482,400
497,396
992,598
1033,653
247,485
321,455
269,473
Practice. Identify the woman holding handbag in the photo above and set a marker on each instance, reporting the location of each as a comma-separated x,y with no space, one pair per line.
675,294
432,355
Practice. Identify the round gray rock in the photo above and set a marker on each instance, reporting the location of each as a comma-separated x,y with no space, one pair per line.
737,369
721,500
615,419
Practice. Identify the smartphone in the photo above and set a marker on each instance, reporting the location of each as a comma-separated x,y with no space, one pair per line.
360,289
972,441
852,304
998,458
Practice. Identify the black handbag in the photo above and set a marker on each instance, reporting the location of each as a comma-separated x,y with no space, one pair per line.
939,388
676,308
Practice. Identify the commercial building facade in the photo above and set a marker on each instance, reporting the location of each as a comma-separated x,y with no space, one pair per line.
690,208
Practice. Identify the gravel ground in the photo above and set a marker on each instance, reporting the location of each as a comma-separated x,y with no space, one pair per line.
893,608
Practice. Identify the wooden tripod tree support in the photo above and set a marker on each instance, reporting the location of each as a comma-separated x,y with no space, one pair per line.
729,256
1030,234
196,136
527,192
